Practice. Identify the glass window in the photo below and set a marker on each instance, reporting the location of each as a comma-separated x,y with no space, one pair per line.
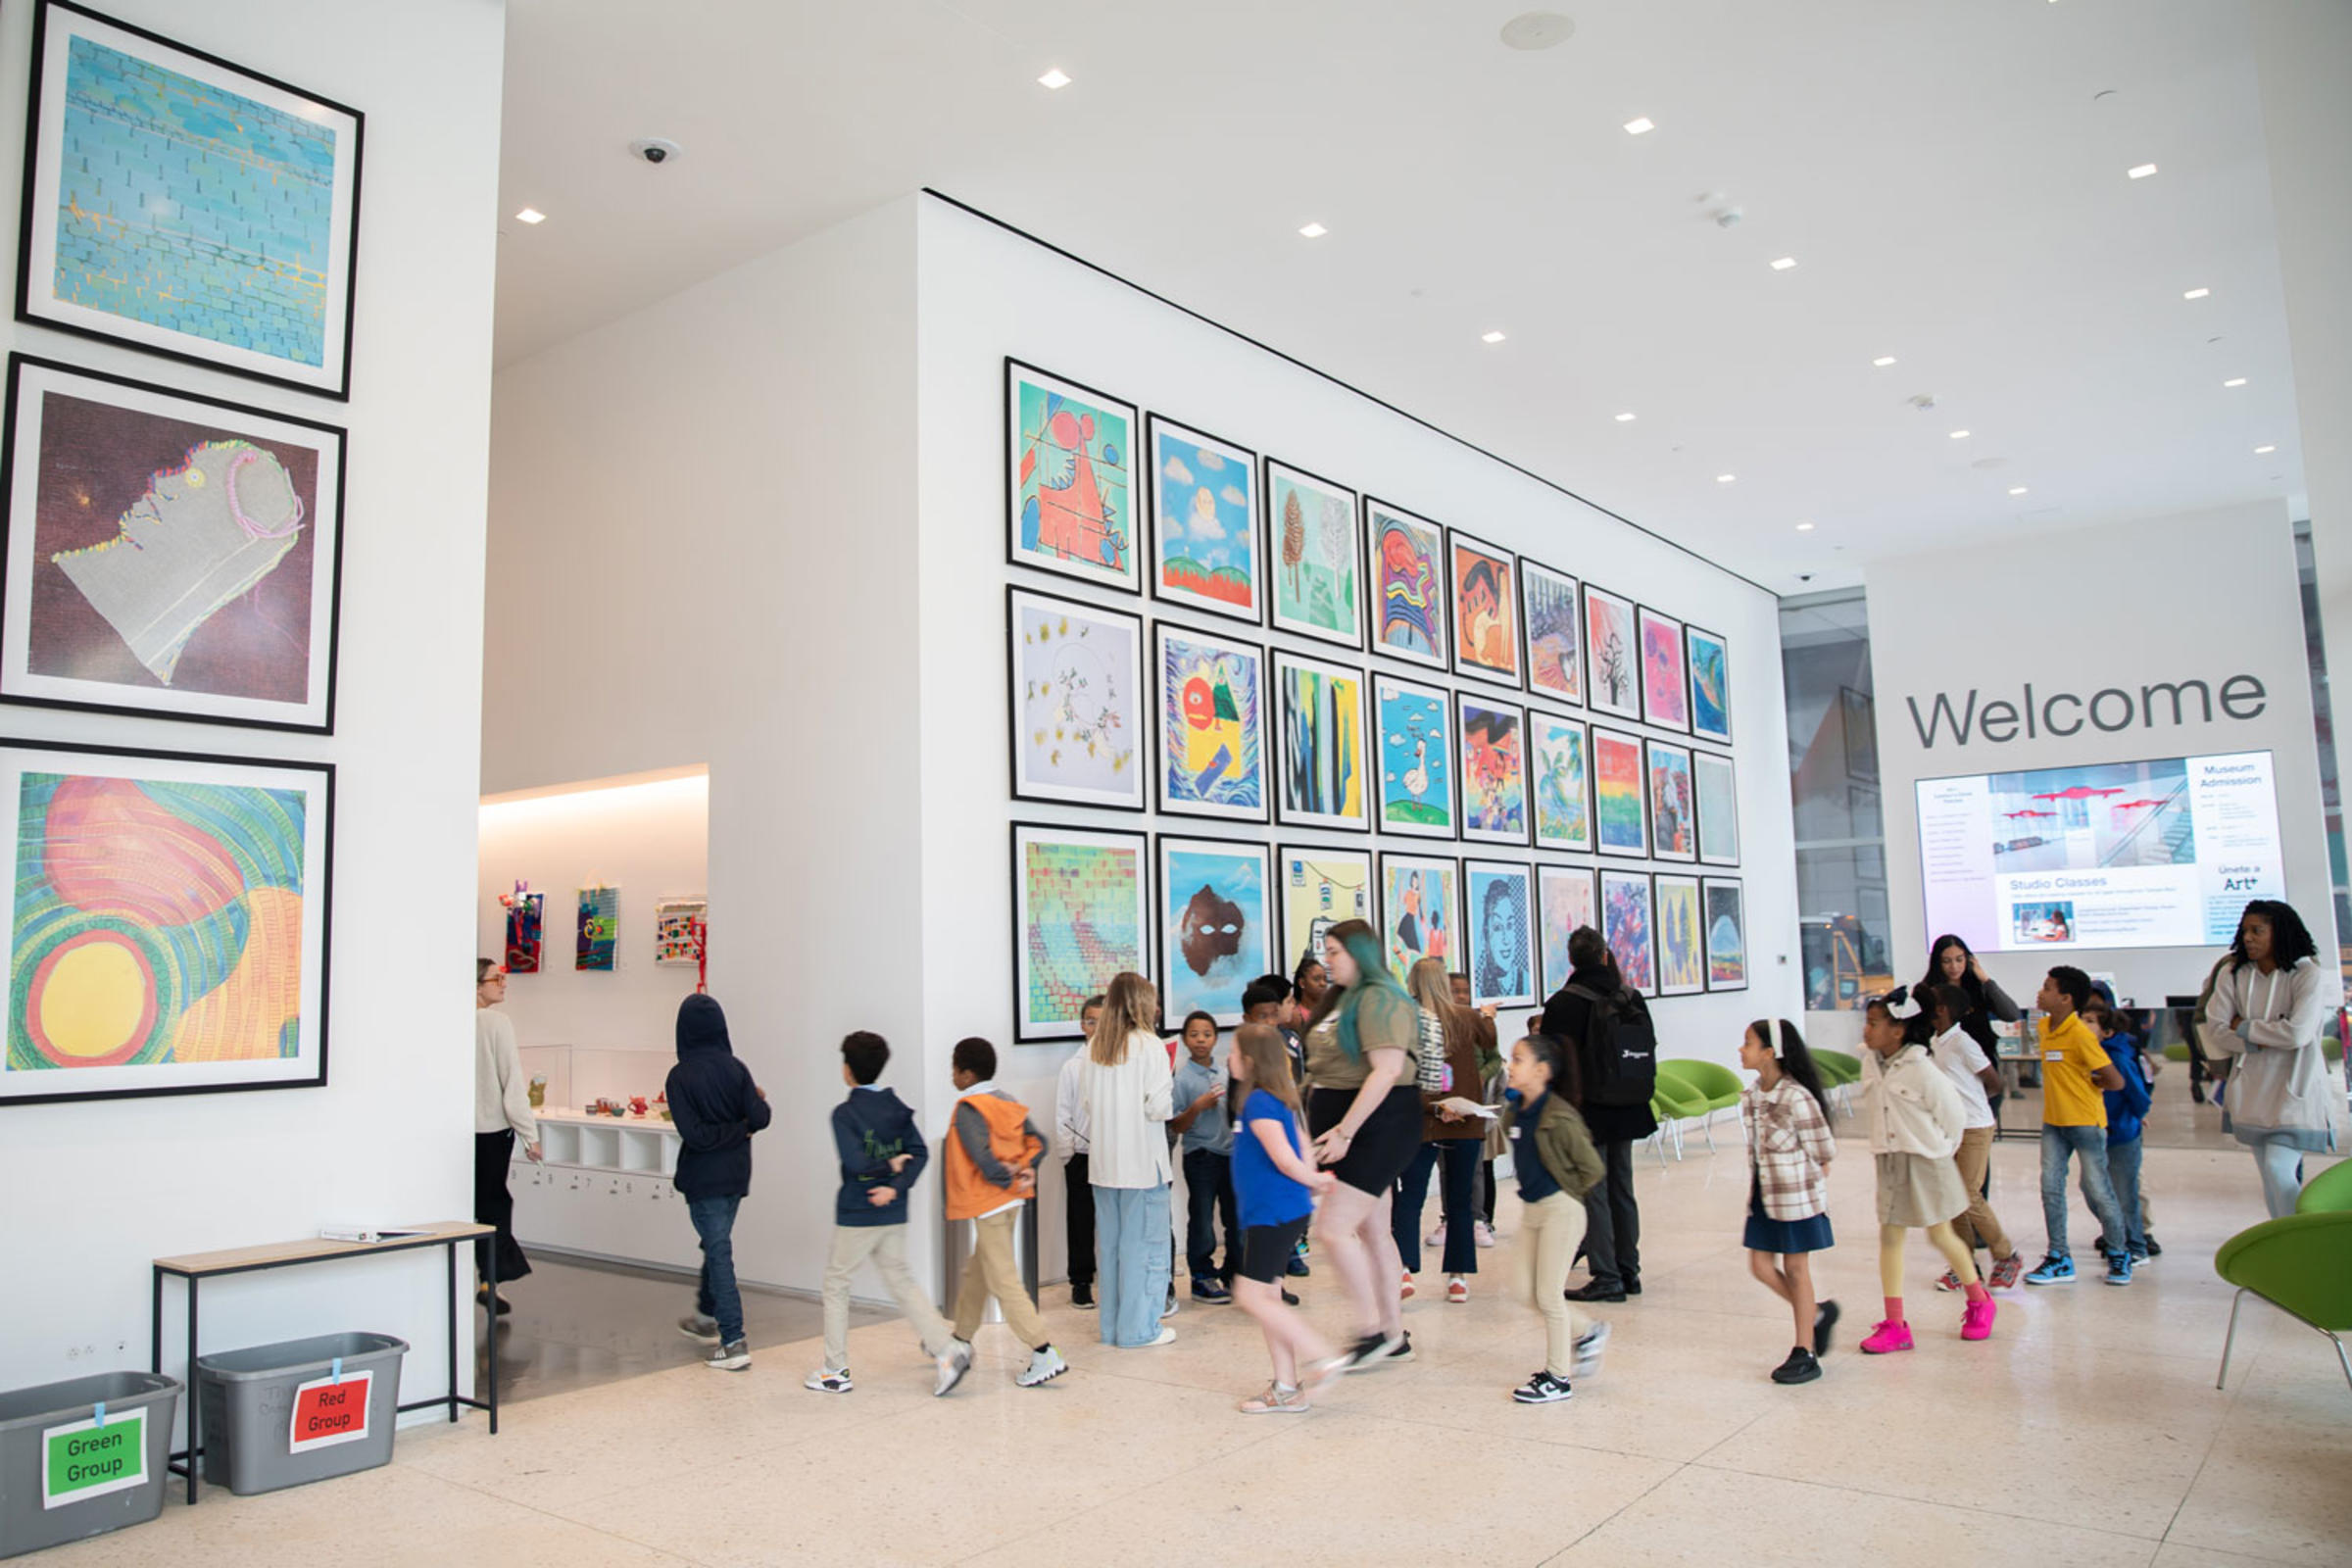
1835,794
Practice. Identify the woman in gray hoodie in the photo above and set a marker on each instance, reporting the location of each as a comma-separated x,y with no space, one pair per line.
2268,1001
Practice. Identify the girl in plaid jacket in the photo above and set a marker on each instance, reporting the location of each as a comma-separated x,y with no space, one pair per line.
1788,1152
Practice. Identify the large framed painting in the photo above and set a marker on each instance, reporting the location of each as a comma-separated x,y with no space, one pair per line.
1712,779
1413,728
1499,905
1625,925
1077,679
1081,914
168,555
170,929
1547,610
1203,522
1420,911
1619,788
1611,665
1313,556
185,205
1213,726
1710,686
1725,909
1321,709
1216,926
1493,771
1673,806
1665,679
1484,594
1407,581
1564,901
1681,944
1069,479
1559,783
1320,888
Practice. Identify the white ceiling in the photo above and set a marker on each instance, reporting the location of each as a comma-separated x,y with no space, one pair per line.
1944,171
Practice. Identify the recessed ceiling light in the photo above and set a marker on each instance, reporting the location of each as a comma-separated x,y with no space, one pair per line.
2017,489
2140,170
1884,361
2196,293
1959,435
2235,380
1641,127
1538,30
1489,337
530,214
1055,80
2265,451
1804,527
1313,230
1725,478
1784,263
1625,419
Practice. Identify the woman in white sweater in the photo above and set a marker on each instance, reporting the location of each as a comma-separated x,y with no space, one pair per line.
2269,999
502,1113
1127,1089
1914,1118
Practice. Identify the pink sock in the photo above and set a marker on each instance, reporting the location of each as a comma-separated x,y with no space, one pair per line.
1894,1309
1977,1291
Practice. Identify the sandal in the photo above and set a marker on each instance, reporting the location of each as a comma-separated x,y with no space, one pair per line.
1276,1401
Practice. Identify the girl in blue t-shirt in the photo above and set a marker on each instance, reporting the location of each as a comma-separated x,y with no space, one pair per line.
1276,1187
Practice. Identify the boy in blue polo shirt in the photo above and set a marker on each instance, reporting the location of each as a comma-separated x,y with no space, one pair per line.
1205,1132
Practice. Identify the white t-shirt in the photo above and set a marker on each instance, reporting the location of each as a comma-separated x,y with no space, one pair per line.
1961,1059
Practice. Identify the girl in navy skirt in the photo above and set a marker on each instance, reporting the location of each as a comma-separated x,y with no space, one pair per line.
1788,1152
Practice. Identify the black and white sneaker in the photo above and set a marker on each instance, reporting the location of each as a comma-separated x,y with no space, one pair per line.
1400,1348
1541,1389
1802,1366
1355,1357
699,1326
1589,1347
1082,1297
732,1357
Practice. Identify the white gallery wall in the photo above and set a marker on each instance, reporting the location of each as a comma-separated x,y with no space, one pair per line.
987,294
2207,596
90,1192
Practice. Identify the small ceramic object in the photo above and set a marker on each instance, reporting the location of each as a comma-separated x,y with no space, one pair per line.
637,1104
538,1090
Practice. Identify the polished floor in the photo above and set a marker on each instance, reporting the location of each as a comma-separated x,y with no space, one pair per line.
2087,1430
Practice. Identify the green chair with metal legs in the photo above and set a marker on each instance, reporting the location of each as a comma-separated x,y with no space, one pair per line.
1714,1082
1839,1072
1673,1102
2297,1265
2327,1193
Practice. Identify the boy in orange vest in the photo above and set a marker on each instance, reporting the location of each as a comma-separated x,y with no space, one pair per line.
991,1161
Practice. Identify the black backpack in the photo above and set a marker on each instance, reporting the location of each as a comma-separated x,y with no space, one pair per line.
1620,1048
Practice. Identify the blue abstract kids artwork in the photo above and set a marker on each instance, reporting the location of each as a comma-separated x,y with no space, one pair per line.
1214,924
1416,768
1206,523
1212,726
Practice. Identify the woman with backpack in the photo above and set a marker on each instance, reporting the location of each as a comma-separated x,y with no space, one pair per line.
1615,1107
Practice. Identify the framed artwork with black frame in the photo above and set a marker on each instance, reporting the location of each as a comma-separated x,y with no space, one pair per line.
1625,924
1550,622
1069,479
1405,578
1314,557
1482,587
1860,716
1319,715
1081,914
1681,940
1321,887
1494,770
168,555
1724,907
1204,526
1499,912
1716,782
187,206
1673,803
1076,701
1567,897
1710,660
1559,782
1420,908
1211,724
1612,656
169,932
1620,794
1217,926
1412,758
1665,676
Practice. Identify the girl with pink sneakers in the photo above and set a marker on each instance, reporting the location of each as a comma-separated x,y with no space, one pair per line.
1915,1117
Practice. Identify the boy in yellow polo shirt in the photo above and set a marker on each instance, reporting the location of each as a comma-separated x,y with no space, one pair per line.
2075,1072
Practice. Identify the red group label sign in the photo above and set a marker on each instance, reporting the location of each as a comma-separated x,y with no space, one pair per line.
330,1411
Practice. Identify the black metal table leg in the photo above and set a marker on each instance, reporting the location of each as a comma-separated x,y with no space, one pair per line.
195,1400
155,1324
492,1336
452,1303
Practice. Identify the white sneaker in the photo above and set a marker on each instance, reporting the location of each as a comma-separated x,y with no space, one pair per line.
1589,1348
1171,1309
826,1380
1436,1238
1167,1336
954,1362
1483,1233
1046,1365
732,1357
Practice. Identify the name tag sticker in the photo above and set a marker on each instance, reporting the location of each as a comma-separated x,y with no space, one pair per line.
2053,1055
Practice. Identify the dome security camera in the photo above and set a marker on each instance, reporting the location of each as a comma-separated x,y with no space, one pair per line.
655,150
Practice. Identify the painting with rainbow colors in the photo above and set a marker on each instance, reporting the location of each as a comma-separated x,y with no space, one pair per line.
168,929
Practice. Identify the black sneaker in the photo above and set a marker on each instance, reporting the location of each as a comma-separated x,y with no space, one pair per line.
1594,1291
1355,1357
2153,1249
1206,1288
1297,1267
1288,1300
1082,1297
1541,1389
1800,1367
1633,1285
1400,1348
1825,1322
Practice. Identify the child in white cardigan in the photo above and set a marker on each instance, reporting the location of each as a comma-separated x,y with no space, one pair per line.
1915,1118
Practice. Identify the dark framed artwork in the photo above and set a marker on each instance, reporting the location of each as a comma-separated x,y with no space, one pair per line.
1620,794
169,931
1550,619
166,555
1413,752
1710,658
1211,727
1420,909
1204,534
1319,713
1498,914
1725,909
1405,584
1565,898
1625,924
1717,787
1217,926
1320,888
1559,782
1494,770
1483,584
1069,479
1076,701
1314,557
1859,716
1665,678
1081,914
1680,938
1673,803
1613,658
187,206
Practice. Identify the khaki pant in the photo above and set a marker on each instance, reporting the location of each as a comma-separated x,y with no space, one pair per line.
1980,1226
990,1270
886,1245
1548,1234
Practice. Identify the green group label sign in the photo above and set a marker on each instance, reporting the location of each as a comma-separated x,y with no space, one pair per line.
85,1460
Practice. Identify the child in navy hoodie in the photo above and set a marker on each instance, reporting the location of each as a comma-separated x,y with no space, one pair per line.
2126,1112
717,1108
881,1154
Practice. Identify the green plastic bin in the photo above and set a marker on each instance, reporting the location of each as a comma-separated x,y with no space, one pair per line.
82,1457
302,1410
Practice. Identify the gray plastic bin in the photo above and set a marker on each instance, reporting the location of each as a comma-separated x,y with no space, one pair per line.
49,1435
252,1442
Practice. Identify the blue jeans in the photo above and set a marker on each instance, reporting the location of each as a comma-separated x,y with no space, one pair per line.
2123,1174
714,1226
1458,1191
1207,1189
1131,1243
2058,1143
